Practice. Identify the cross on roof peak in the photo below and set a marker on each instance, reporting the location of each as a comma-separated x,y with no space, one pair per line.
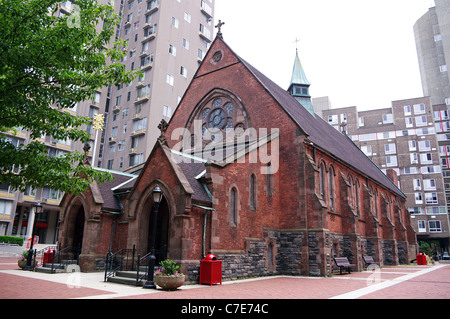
219,28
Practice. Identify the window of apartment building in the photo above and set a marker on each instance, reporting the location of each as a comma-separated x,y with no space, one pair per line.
409,122
421,121
426,158
125,112
443,68
121,162
205,31
435,226
140,124
110,164
388,118
437,38
143,91
412,145
424,146
421,225
367,149
167,111
172,50
127,30
442,127
187,17
430,169
129,17
429,184
124,130
416,184
333,119
407,109
135,142
112,148
185,43
368,137
201,54
145,60
445,163
447,101
419,108
436,210
418,198
416,210
390,148
148,31
136,159
343,117
118,100
425,131
441,115
183,71
391,161
50,193
114,131
414,158
170,79
121,146
361,121
431,198
175,22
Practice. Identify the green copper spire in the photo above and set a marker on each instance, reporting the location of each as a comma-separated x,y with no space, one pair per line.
298,74
299,87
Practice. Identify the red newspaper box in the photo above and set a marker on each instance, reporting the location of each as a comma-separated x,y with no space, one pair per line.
48,257
421,259
210,270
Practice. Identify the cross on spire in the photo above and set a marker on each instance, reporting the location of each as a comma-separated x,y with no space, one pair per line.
297,40
219,28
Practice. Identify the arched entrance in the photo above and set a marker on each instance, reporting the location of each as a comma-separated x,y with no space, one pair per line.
78,231
162,231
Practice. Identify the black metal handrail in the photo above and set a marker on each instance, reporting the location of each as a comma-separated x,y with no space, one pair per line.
65,256
123,260
144,261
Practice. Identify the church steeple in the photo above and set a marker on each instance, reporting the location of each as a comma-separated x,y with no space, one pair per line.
299,87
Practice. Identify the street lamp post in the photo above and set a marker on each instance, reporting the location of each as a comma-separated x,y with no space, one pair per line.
157,194
37,210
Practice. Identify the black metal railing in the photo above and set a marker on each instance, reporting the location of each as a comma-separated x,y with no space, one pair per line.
65,256
143,263
123,260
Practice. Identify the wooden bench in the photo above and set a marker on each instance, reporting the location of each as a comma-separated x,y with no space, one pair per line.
343,263
370,261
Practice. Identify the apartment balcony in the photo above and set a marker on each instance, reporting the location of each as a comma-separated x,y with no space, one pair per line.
149,37
206,10
7,195
152,9
132,151
95,104
147,66
139,132
204,36
49,201
116,108
112,140
140,84
137,116
142,99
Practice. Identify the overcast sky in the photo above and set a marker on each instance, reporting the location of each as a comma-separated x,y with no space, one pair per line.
359,53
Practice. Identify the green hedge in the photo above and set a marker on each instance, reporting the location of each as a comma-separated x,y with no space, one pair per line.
11,240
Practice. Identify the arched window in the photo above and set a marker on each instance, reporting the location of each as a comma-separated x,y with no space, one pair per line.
322,180
233,206
356,196
252,192
331,188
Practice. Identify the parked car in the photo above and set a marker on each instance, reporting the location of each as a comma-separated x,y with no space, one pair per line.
446,256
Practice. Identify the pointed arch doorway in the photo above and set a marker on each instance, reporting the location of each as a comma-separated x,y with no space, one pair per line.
78,232
162,231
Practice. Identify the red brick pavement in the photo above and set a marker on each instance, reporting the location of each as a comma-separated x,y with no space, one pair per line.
431,285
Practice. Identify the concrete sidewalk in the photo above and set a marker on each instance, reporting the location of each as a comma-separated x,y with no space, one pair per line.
401,282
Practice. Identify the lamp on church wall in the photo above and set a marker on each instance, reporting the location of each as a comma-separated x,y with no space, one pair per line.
157,195
37,210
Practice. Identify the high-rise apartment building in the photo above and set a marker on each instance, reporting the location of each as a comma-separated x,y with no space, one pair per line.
403,138
166,40
432,34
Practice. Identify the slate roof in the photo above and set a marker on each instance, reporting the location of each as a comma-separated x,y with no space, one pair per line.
323,135
122,180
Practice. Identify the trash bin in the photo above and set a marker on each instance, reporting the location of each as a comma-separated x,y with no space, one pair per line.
210,270
421,259
48,257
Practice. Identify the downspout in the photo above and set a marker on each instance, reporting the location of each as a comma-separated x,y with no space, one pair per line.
205,218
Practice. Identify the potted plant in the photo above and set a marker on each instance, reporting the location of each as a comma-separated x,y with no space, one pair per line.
22,262
168,276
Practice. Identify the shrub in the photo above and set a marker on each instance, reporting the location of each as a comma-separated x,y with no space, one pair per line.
11,240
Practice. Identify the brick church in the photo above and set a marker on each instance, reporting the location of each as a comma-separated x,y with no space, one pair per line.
250,174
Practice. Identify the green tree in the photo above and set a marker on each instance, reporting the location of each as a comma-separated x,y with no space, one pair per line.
49,63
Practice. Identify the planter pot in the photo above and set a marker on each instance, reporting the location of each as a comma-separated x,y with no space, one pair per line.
22,263
169,283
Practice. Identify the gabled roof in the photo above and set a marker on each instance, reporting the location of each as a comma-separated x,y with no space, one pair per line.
320,133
